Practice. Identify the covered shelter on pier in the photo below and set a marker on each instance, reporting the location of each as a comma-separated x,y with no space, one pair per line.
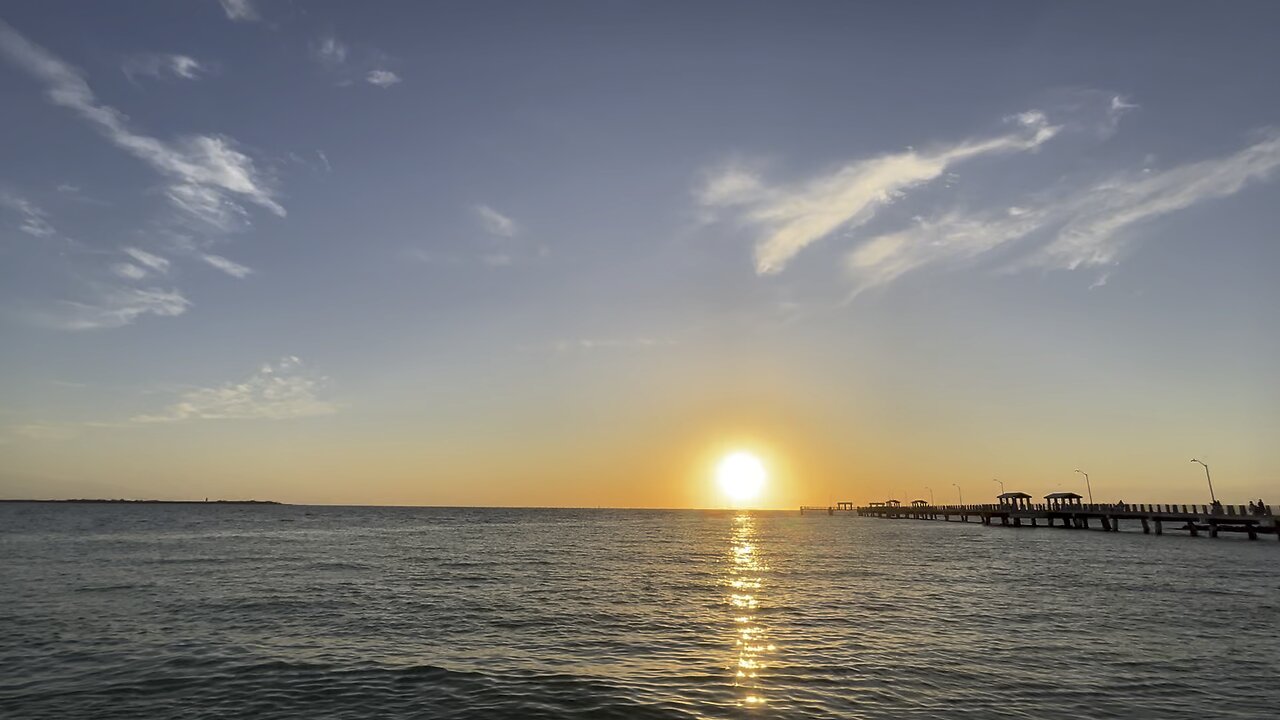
1063,499
893,503
1019,500
919,503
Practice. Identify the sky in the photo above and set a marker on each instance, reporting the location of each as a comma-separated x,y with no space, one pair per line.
573,253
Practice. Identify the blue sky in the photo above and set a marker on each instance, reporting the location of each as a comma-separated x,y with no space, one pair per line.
547,253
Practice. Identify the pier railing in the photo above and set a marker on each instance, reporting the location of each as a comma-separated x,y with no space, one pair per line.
1170,508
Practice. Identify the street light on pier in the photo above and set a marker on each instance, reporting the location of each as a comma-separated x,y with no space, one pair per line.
926,487
959,492
1001,485
1086,484
1212,497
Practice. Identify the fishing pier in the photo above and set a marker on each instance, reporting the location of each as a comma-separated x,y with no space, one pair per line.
1064,510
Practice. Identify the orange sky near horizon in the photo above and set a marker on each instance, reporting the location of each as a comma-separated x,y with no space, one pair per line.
663,466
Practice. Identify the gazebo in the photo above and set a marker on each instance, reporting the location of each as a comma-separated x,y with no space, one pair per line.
1019,500
893,503
919,503
1061,499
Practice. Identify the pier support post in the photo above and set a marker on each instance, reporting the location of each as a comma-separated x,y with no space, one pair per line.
1033,522
1252,530
1191,525
1146,527
1159,527
1106,524
1213,529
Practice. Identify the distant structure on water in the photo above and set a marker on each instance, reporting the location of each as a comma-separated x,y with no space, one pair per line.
1067,510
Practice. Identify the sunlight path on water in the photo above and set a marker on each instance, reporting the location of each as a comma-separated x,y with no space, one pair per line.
745,580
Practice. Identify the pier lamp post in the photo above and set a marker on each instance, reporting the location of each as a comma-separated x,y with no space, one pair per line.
1001,485
959,492
1212,497
1086,484
926,487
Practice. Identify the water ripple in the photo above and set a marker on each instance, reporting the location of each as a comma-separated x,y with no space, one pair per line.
291,612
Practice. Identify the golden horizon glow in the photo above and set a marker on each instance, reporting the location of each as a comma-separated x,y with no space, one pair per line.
741,476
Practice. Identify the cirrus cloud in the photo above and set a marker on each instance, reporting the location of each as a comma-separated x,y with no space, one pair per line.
163,66
382,78
788,217
240,10
277,391
209,176
1087,226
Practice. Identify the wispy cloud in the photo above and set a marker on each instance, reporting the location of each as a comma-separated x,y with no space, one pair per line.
329,51
142,264
623,343
350,65
32,220
240,10
150,260
1082,227
954,237
112,307
163,66
277,391
128,271
230,267
209,176
382,78
732,185
1118,107
1094,231
495,223
39,431
787,218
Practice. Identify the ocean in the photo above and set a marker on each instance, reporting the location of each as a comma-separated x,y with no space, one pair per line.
208,611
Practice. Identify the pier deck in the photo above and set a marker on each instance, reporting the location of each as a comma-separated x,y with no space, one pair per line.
1193,519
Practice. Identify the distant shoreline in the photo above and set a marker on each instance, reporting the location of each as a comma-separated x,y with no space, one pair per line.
94,501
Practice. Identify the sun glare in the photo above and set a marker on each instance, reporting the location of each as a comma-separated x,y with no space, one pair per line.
741,476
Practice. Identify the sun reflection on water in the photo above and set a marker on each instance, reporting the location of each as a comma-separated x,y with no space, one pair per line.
751,637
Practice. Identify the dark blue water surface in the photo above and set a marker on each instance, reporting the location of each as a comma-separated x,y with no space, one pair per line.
115,611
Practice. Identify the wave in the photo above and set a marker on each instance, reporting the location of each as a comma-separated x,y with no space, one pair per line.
285,690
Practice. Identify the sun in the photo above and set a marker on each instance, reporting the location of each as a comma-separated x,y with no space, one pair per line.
741,476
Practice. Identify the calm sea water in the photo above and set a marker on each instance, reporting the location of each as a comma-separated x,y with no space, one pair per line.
328,612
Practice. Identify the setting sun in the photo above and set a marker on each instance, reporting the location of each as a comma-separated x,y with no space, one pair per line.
741,476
